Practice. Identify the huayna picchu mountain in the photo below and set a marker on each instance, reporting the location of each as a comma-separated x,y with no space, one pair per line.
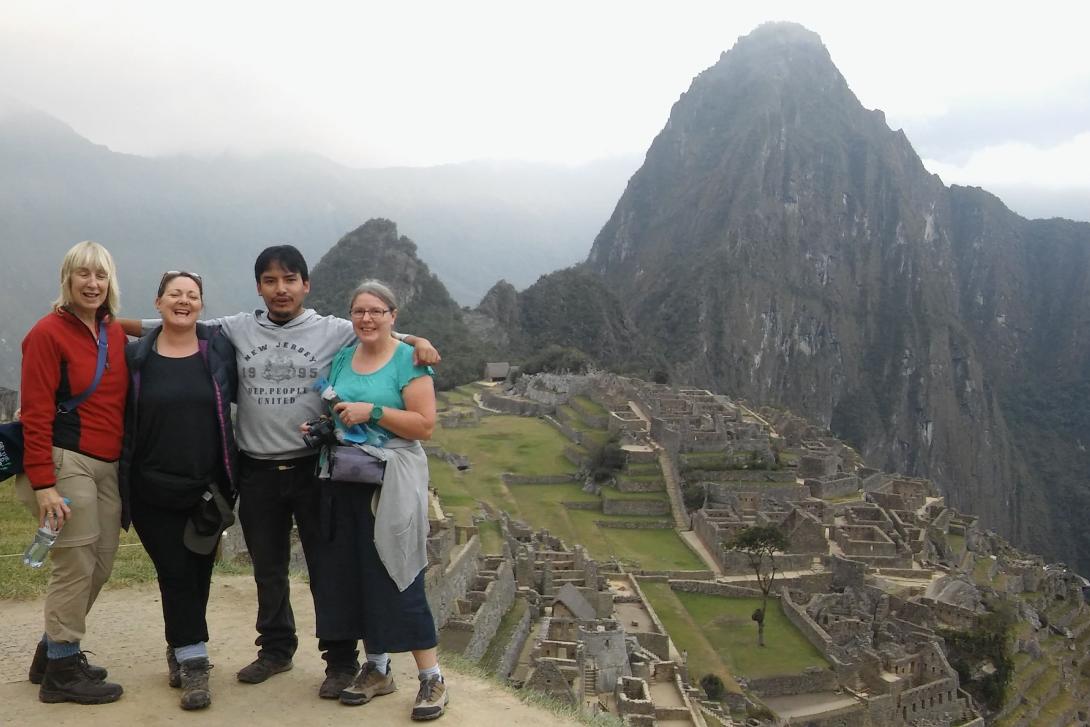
785,245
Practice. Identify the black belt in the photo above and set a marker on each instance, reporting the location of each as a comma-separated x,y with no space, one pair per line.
277,464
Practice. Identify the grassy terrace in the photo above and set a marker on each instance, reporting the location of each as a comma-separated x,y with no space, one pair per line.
587,406
720,637
529,446
592,434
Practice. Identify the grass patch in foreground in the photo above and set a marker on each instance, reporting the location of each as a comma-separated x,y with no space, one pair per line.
727,625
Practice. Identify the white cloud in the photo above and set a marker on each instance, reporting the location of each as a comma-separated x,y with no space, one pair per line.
1061,166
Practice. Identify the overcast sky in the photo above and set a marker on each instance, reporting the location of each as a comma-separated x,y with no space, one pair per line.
996,98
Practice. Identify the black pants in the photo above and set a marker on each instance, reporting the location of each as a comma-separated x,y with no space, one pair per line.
271,493
184,576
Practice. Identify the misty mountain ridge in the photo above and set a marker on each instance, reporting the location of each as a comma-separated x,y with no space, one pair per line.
477,222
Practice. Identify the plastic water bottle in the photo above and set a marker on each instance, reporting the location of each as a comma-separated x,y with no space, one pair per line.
35,553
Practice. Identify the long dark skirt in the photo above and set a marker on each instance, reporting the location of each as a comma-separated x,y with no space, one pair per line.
359,600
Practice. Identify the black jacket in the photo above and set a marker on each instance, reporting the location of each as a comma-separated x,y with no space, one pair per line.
219,358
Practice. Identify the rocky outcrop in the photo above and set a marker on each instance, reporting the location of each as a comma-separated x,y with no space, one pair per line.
793,250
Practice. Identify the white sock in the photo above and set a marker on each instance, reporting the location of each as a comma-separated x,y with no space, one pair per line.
431,671
382,661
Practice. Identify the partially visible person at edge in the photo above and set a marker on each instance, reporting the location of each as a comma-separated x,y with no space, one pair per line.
281,353
377,535
74,455
178,467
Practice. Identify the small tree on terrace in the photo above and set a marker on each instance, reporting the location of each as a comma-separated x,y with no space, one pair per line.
760,543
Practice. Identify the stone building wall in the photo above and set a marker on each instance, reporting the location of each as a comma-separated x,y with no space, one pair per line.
499,596
510,405
812,680
445,586
509,660
615,506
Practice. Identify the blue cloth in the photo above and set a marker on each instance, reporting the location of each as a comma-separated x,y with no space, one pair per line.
198,650
60,649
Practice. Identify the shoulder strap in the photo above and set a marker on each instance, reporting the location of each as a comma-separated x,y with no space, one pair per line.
66,406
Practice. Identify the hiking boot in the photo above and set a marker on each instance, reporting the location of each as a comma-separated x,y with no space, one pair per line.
66,680
262,668
194,678
337,679
37,666
174,674
368,684
431,700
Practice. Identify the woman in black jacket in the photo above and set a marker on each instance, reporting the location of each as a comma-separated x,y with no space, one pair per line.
178,467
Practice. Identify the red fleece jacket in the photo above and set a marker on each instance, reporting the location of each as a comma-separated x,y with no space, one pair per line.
59,358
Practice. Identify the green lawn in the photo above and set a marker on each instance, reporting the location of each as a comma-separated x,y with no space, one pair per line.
588,406
642,470
722,639
491,542
727,624
687,634
592,435
530,446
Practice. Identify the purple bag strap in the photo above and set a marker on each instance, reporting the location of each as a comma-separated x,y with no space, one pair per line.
66,406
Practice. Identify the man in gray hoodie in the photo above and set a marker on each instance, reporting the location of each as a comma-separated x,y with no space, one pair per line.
281,353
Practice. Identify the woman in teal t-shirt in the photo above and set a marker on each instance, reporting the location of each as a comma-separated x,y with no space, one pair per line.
379,551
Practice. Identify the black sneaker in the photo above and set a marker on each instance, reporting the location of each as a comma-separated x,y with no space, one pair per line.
262,668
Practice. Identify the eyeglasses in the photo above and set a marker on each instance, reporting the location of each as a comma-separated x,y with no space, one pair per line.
374,313
171,274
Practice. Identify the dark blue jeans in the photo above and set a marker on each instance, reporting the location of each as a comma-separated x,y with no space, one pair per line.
271,495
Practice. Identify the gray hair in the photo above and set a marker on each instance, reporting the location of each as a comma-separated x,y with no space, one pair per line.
376,288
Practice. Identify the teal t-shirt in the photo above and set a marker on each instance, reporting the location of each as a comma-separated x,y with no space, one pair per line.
383,387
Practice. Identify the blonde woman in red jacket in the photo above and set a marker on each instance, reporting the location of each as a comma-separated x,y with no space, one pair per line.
73,455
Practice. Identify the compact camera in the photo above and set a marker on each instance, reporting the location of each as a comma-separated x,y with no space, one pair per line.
320,431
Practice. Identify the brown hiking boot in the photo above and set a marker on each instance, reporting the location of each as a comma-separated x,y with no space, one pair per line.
194,678
337,679
262,668
66,680
37,666
368,684
431,700
174,674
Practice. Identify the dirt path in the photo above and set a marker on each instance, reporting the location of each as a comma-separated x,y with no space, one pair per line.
125,631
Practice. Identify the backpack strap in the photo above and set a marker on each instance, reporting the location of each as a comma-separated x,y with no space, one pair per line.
66,406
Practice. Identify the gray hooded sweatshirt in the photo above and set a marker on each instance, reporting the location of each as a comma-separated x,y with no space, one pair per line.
278,366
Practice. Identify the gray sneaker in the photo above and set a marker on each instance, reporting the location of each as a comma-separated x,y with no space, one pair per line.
368,684
431,700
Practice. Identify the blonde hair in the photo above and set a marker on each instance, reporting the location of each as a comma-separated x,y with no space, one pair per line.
96,258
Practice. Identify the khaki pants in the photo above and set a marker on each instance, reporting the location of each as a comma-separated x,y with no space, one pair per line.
83,555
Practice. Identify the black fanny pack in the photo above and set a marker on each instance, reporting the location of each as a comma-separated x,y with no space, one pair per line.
171,492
